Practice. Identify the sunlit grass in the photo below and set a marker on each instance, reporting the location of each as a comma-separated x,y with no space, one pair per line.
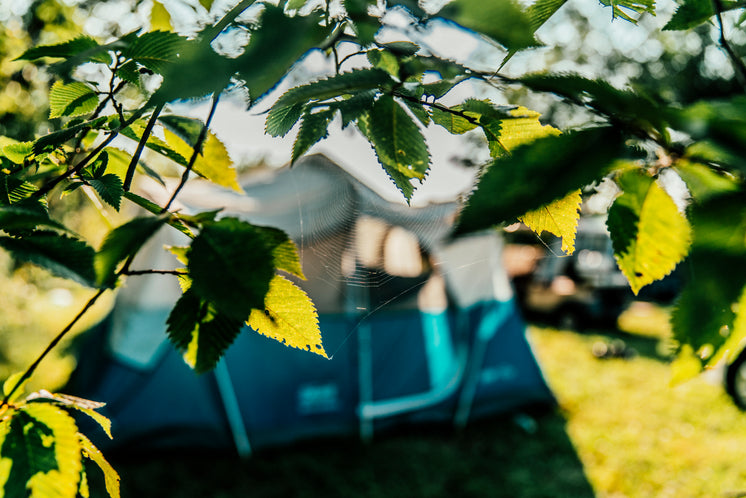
636,435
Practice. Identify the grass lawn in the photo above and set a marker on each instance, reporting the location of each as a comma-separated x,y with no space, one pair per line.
620,430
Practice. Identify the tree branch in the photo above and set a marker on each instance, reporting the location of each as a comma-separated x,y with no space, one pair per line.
740,68
140,146
154,272
84,162
196,151
441,107
32,368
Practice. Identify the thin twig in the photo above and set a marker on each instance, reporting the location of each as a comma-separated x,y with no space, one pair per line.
30,370
195,152
140,146
154,272
737,62
441,107
84,162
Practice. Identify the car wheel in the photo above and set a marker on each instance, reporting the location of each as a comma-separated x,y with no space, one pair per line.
735,380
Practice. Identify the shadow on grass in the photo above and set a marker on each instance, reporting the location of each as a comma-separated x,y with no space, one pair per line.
490,458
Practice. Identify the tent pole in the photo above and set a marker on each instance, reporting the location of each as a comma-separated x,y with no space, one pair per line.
232,409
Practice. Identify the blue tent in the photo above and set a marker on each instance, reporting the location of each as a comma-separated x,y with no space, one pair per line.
419,327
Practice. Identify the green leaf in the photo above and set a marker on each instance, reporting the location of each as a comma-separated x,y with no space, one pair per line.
158,51
340,85
508,188
73,99
188,129
41,454
200,332
53,140
63,256
719,127
704,182
109,187
66,401
398,143
419,111
231,265
540,11
692,13
649,234
452,121
28,215
200,71
207,4
275,47
313,128
111,478
135,131
288,316
623,8
281,121
734,343
14,190
364,25
353,107
18,152
384,60
559,217
213,163
70,48
623,106
504,21
152,207
716,273
284,251
295,4
99,165
121,243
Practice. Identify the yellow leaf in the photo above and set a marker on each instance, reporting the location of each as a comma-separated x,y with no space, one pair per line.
736,340
213,163
62,431
524,128
111,478
559,217
685,367
289,317
650,235
83,489
160,19
10,384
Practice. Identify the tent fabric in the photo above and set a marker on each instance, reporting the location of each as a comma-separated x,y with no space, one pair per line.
418,327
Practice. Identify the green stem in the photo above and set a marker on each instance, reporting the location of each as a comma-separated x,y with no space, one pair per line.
196,151
140,146
46,188
740,68
32,368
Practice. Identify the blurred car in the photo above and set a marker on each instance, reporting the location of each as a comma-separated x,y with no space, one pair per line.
576,291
